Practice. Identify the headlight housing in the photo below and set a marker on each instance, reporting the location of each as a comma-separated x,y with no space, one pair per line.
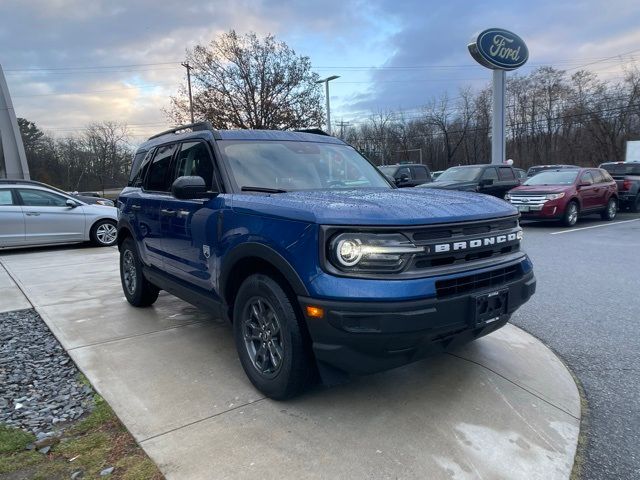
371,252
106,203
555,196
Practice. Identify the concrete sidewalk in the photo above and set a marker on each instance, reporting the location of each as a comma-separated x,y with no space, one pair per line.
501,407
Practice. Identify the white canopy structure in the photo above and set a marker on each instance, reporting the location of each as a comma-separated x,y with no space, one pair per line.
13,161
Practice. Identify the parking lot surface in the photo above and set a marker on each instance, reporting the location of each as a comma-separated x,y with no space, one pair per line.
502,407
587,309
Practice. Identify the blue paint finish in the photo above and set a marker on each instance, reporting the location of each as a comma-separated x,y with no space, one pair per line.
501,49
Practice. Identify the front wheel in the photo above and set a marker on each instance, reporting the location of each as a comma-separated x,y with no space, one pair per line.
570,217
611,210
104,233
137,289
269,338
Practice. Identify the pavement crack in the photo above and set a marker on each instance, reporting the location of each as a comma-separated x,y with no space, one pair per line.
535,394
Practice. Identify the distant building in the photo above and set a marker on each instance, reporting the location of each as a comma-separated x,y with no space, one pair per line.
13,161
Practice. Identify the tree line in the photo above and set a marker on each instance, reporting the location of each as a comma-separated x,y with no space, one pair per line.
552,117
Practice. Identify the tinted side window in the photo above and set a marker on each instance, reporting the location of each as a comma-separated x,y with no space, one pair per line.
420,173
490,174
40,198
607,177
597,176
6,198
194,160
135,166
159,171
505,173
403,171
138,179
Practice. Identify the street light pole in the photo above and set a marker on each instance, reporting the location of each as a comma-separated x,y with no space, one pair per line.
326,93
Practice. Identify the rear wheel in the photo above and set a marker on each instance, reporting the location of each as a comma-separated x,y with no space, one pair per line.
570,217
138,290
635,204
269,338
104,233
611,210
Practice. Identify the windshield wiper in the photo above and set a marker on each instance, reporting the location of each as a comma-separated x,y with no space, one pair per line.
262,189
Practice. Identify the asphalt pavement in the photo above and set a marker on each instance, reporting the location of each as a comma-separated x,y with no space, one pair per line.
587,309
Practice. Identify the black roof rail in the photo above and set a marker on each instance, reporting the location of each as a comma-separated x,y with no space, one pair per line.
317,131
194,127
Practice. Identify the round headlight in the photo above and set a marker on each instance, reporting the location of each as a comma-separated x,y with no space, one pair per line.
349,252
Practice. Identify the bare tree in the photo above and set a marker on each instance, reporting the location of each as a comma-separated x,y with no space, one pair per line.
242,81
107,143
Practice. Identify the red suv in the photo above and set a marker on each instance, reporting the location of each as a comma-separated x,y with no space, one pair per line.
564,194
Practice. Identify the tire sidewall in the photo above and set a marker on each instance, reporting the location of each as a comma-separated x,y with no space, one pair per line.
607,213
565,217
94,236
129,245
264,286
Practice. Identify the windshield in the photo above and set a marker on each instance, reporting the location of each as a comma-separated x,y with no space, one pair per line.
460,174
291,165
564,177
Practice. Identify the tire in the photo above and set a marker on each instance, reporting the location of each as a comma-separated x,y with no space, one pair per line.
104,233
634,205
138,290
570,215
269,338
611,210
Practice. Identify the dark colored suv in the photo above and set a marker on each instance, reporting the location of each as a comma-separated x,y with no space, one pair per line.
319,263
407,175
627,177
493,180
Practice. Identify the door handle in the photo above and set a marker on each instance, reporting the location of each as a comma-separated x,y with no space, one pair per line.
136,207
32,214
167,212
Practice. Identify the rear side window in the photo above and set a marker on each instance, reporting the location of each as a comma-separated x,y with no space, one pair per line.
505,173
159,174
607,177
420,173
194,160
597,176
6,198
586,178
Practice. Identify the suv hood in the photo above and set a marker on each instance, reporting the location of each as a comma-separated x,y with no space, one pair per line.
406,206
531,189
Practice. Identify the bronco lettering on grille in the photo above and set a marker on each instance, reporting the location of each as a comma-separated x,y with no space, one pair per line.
477,243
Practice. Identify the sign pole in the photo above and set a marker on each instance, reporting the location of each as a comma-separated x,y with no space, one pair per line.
498,124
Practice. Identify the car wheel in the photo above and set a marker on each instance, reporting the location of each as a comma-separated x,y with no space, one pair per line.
269,338
137,289
611,210
104,233
570,217
635,204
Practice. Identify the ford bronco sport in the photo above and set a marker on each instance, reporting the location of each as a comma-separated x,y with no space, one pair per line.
321,265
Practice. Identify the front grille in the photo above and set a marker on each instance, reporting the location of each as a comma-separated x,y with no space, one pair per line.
423,236
528,199
478,281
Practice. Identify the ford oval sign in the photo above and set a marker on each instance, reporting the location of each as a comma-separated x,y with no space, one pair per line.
499,49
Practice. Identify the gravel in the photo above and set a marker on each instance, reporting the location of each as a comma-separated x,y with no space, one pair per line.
586,309
39,387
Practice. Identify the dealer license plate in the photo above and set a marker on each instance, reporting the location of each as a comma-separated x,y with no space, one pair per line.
489,307
523,208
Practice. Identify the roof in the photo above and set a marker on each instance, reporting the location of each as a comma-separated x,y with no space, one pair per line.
204,130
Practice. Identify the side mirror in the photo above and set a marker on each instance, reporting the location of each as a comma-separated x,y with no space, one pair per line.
71,203
189,188
485,182
404,178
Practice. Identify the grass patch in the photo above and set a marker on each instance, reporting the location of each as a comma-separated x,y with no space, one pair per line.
94,443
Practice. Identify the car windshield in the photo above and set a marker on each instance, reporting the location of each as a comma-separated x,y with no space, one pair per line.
564,177
460,174
292,165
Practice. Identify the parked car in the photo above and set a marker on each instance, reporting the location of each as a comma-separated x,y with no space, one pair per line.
407,175
520,174
627,177
88,197
436,174
33,213
319,263
541,168
493,180
565,194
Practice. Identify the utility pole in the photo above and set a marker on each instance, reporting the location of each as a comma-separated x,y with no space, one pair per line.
188,67
342,124
326,93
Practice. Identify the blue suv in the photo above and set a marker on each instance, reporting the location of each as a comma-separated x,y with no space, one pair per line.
320,264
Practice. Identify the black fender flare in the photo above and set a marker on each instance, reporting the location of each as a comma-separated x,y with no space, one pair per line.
263,252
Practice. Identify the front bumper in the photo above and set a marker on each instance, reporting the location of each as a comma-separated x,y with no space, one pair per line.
367,337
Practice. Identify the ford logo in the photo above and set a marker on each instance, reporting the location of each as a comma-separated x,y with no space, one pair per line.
499,49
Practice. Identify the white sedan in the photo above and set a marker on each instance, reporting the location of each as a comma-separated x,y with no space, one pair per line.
32,213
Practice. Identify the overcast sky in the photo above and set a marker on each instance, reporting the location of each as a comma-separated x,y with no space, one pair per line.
70,62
